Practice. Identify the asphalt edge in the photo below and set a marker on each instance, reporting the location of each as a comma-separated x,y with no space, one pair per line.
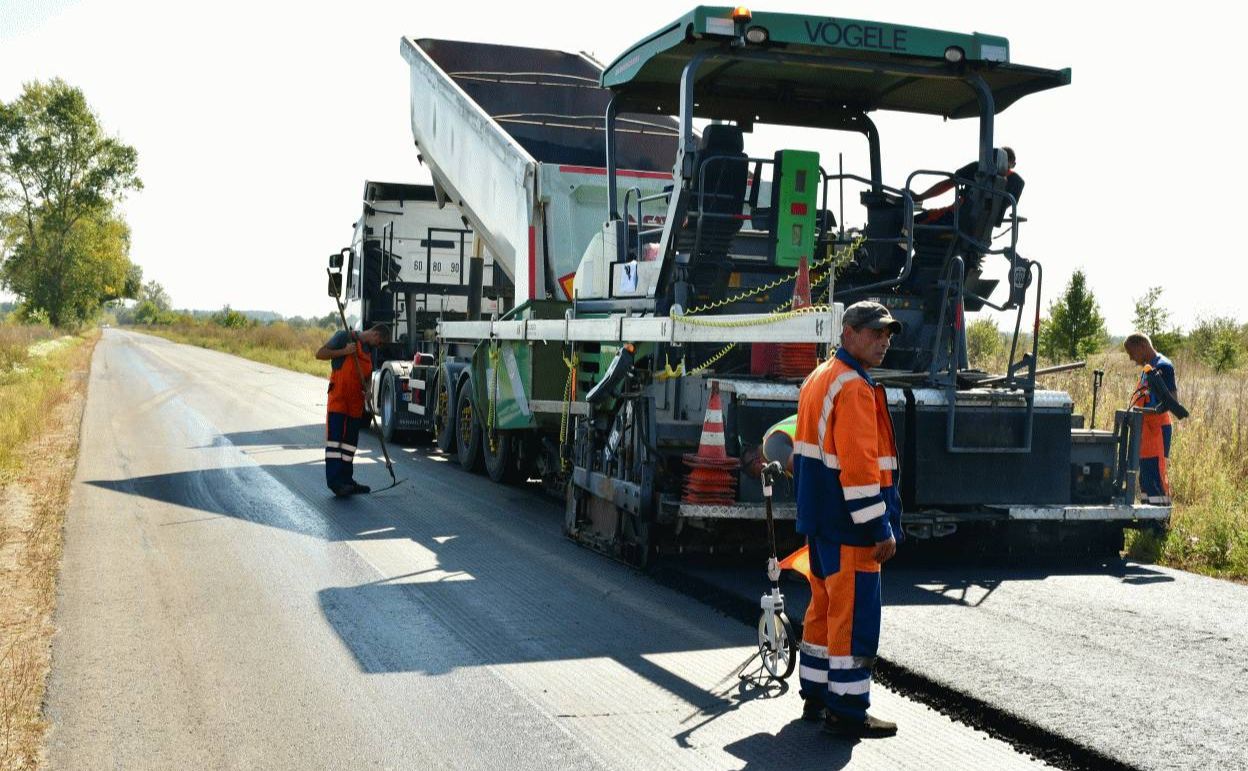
1018,732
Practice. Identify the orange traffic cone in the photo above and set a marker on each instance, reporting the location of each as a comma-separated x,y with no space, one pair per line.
712,477
796,360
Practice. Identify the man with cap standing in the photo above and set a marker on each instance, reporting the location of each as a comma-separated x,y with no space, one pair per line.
844,463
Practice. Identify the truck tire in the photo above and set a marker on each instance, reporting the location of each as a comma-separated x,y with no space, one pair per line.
501,463
468,432
444,415
387,402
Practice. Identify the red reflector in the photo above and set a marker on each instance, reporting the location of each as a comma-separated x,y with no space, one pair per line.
798,208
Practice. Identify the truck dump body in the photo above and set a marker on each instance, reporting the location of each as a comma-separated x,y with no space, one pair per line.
515,138
548,101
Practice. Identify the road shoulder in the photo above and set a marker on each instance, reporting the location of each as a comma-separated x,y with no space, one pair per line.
33,500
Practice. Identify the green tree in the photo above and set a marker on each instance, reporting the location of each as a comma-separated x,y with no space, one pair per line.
1075,327
66,251
230,318
1152,318
154,293
1218,342
983,342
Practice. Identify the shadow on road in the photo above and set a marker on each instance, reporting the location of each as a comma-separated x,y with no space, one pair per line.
799,746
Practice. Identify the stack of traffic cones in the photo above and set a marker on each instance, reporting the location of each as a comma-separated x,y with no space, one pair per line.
712,479
796,360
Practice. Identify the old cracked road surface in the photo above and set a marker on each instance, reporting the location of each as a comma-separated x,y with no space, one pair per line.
219,610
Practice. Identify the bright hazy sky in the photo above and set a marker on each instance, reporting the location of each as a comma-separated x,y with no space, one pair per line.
256,123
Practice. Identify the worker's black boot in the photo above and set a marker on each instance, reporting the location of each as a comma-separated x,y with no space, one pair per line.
871,728
813,710
359,489
341,491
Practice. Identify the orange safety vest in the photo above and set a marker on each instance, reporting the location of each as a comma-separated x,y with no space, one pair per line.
845,456
345,394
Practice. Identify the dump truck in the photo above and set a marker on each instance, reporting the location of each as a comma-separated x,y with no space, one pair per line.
654,280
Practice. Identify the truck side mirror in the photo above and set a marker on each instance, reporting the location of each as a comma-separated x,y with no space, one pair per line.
335,284
335,260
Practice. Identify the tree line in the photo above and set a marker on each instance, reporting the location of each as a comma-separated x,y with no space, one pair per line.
1075,328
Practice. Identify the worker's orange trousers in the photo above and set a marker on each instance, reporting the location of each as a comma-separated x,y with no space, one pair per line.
842,628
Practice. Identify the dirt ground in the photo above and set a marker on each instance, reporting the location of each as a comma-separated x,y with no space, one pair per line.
32,509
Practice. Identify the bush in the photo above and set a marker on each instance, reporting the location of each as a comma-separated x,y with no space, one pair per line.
1218,342
231,319
983,342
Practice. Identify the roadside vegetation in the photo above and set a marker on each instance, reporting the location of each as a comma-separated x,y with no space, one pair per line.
1208,467
290,344
42,389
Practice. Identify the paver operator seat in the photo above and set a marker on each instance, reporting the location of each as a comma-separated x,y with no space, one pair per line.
720,188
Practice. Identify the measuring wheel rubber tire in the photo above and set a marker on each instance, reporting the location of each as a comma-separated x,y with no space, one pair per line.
444,426
468,433
501,460
780,661
387,401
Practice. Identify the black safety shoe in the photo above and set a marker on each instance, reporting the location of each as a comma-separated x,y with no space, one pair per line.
359,489
813,709
341,491
871,728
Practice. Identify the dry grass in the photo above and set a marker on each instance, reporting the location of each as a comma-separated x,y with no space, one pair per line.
1208,462
42,409
16,340
278,343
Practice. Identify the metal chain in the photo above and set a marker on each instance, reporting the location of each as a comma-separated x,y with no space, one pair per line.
835,259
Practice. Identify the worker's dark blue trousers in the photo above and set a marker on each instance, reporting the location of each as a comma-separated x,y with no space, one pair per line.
342,433
842,628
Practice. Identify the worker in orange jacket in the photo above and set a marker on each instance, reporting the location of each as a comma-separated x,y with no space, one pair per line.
1156,432
350,354
844,464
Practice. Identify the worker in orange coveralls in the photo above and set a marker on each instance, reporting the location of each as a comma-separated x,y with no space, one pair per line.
352,365
848,507
1156,433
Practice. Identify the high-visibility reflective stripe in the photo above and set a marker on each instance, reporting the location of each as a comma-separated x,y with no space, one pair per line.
850,662
712,439
330,455
856,688
868,514
853,492
812,674
713,416
812,649
333,445
825,415
808,450
346,446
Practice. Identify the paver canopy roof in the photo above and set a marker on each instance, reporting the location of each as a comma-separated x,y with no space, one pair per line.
815,65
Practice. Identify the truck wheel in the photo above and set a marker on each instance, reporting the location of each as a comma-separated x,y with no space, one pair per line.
500,463
467,429
388,404
444,415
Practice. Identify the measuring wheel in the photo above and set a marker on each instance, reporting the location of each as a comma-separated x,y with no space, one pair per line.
777,647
